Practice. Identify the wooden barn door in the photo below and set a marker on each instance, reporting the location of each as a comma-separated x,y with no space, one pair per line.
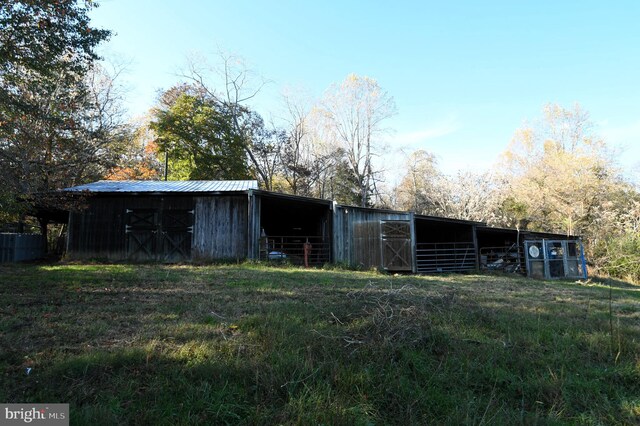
156,234
142,234
175,235
396,245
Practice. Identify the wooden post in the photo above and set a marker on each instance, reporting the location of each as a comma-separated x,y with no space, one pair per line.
476,249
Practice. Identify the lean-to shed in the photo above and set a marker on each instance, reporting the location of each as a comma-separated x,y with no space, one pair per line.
535,254
445,245
290,228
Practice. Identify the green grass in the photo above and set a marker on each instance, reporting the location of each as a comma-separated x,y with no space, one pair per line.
248,344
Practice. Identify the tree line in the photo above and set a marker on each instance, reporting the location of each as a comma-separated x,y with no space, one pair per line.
62,124
325,150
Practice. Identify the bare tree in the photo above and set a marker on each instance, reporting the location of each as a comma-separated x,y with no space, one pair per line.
238,86
466,195
354,112
268,144
416,189
471,196
295,159
307,159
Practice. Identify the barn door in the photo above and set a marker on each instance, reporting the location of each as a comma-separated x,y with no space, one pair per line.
154,234
142,231
175,236
396,245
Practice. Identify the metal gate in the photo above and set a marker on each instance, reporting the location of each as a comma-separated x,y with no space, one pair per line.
396,245
155,234
445,257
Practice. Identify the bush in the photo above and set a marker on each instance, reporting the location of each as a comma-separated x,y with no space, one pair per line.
620,257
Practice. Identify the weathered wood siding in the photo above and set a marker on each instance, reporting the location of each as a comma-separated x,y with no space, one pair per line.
220,228
100,230
357,235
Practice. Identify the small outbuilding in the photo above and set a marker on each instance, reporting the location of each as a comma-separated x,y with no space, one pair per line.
170,221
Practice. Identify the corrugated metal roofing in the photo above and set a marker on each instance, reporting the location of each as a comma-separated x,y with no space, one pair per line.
448,219
167,186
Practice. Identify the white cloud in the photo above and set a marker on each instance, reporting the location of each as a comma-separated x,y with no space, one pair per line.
430,131
402,143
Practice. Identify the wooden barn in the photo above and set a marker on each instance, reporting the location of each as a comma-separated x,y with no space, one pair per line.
176,221
161,221
179,221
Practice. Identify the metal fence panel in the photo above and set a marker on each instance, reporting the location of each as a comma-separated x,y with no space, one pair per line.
292,249
20,247
445,257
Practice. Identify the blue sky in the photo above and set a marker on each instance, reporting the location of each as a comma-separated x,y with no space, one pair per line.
464,74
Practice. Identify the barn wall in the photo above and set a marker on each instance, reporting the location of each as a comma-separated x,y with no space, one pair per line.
99,231
220,228
356,235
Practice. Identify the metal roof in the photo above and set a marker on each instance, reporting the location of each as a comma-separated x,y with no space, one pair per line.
448,219
167,186
496,229
292,197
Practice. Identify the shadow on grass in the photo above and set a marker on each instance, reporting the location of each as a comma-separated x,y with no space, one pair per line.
615,283
245,344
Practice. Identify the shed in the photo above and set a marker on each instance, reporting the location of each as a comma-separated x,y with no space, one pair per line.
216,220
283,226
161,220
446,245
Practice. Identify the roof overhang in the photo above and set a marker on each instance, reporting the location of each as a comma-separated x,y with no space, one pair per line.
526,233
165,187
290,197
449,220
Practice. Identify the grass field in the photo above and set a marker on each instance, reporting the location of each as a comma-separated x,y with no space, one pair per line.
249,344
